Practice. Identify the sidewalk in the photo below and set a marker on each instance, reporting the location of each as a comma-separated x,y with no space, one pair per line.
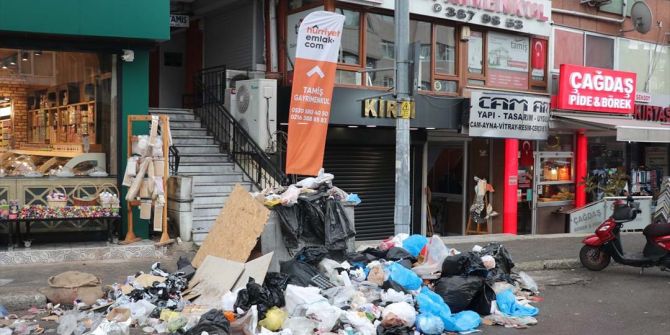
19,284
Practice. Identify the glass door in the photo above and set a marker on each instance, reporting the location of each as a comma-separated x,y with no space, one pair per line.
446,183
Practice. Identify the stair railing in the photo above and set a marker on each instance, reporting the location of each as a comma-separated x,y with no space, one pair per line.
210,86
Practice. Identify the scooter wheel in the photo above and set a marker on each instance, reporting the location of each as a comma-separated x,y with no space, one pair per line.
593,258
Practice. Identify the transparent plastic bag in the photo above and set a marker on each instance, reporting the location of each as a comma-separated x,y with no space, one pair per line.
436,252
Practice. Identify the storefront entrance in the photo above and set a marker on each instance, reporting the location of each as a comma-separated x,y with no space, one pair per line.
447,187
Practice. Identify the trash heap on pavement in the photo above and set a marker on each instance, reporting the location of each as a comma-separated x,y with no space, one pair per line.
406,284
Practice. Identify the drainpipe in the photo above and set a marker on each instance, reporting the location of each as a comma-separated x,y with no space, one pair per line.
594,16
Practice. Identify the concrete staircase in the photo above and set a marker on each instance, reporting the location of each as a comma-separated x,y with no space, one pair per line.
214,176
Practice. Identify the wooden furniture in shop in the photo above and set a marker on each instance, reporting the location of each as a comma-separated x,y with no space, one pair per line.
165,124
63,124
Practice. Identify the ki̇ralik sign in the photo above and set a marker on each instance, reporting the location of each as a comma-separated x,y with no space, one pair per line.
527,16
503,115
593,89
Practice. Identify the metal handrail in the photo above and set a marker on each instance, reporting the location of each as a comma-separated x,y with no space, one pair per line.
210,85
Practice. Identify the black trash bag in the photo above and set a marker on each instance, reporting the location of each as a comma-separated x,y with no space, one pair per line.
337,225
212,322
390,284
300,273
311,255
458,291
254,294
360,257
290,225
401,256
398,330
376,253
185,268
455,265
475,266
276,283
481,303
503,258
312,218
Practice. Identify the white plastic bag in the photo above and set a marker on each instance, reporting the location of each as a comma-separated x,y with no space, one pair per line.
228,300
325,315
436,252
290,196
299,299
489,262
361,323
527,282
300,326
399,312
392,295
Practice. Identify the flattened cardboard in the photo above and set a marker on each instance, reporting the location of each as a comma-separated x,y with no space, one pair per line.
236,229
217,276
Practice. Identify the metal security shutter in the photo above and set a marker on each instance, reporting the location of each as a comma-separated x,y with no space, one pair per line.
368,171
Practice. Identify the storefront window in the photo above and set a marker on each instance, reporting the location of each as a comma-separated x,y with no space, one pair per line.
599,52
349,77
422,44
572,55
350,50
660,79
445,86
475,52
634,57
380,50
60,120
508,61
445,50
557,142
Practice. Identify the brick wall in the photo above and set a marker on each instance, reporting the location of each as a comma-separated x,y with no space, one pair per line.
17,90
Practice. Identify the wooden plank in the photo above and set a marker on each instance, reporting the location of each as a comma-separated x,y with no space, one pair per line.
236,229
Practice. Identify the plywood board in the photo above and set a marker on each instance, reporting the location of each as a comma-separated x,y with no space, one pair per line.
236,230
256,269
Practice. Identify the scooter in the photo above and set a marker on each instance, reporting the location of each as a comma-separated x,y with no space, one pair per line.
605,244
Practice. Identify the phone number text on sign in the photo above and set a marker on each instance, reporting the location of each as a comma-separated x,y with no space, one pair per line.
468,15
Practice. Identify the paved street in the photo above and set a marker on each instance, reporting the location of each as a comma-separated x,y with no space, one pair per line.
615,301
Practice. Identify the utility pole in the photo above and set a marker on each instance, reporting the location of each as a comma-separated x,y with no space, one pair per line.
402,211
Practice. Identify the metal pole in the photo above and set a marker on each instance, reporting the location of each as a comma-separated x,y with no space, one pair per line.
402,211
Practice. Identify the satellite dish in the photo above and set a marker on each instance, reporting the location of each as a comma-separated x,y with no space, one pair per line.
640,14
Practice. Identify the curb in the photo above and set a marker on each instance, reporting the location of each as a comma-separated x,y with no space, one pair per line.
553,264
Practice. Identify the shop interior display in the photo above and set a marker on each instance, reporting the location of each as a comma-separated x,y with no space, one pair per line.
662,211
481,209
556,177
605,183
146,175
5,123
645,181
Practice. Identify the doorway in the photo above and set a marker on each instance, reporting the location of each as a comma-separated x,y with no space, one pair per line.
446,175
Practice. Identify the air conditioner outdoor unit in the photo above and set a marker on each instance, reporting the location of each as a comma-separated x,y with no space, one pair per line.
230,101
232,76
256,110
595,3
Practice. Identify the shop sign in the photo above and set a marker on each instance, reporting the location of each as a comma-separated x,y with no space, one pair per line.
652,113
380,108
587,218
527,16
180,21
319,39
503,115
508,61
593,89
642,97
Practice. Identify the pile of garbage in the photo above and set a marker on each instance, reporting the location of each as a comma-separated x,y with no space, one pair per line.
405,284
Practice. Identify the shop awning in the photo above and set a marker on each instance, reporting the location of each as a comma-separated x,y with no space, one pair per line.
627,129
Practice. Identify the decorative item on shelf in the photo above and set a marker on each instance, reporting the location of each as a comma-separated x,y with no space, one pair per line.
13,209
108,196
4,209
564,173
57,198
81,198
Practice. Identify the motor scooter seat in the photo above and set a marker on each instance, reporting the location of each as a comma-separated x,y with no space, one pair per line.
656,230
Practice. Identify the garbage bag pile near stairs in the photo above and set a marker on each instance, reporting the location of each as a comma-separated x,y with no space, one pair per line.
406,284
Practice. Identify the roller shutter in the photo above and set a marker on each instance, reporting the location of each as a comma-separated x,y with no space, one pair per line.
368,171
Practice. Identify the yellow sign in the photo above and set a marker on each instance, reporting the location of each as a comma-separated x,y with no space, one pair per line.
380,108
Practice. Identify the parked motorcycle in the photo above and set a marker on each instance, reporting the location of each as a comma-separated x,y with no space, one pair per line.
605,244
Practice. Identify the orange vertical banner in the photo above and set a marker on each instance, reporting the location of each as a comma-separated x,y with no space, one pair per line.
319,41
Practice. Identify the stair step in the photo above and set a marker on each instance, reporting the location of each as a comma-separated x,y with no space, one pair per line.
207,210
215,199
187,131
198,149
170,111
199,178
219,187
185,124
205,158
174,117
206,168
192,139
